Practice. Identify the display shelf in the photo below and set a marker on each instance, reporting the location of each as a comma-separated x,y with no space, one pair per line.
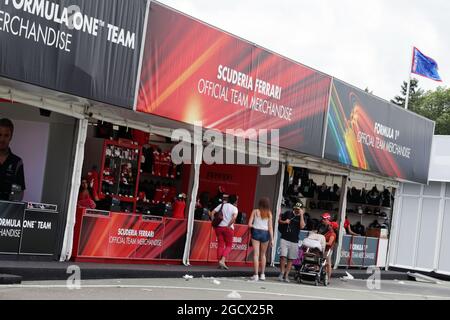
367,215
150,175
103,196
152,143
124,199
348,203
368,205
120,171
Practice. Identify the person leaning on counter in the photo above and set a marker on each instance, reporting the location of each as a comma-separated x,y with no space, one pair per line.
12,180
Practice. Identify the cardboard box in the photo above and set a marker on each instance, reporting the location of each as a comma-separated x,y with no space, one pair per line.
377,233
373,232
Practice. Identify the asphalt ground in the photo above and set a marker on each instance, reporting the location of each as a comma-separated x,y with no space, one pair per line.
17,271
220,288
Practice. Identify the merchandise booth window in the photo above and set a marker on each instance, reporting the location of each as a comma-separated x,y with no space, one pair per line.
216,182
318,192
368,223
37,148
133,205
368,213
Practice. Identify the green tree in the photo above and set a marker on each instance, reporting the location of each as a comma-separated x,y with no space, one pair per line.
414,94
435,105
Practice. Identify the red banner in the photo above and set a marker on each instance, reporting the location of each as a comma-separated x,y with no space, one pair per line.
204,243
235,179
201,239
128,236
241,240
194,72
150,240
174,239
98,226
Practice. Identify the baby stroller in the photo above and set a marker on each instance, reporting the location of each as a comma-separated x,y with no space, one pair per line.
311,266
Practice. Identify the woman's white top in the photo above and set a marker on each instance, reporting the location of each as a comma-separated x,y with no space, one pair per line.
260,223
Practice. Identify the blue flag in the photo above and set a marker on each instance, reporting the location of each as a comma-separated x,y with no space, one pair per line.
424,66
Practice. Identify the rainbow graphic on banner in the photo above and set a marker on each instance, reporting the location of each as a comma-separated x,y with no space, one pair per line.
345,122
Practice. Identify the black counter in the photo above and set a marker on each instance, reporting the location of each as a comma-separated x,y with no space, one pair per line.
28,229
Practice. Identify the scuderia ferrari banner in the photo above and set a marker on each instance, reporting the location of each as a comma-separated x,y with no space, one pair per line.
369,133
193,72
88,48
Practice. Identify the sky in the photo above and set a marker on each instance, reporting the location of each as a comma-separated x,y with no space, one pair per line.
365,43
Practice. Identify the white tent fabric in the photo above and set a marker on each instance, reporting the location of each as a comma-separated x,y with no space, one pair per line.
66,251
420,234
193,200
440,159
277,215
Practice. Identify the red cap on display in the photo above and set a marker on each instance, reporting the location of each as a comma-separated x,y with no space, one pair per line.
326,216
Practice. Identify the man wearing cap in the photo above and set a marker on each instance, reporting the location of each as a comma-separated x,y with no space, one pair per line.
289,225
330,238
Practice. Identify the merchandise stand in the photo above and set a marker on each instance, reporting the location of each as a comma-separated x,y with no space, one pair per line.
113,184
366,250
66,219
321,124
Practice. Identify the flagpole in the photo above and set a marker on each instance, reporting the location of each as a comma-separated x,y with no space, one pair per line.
409,81
407,91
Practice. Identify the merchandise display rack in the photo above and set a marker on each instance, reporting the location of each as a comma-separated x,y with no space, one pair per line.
120,171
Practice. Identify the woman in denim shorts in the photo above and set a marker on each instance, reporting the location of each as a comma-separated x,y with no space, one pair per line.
260,223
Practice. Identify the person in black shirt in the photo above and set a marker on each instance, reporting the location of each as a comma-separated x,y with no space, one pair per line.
308,188
335,193
386,198
217,200
373,197
289,225
359,228
324,192
375,224
12,180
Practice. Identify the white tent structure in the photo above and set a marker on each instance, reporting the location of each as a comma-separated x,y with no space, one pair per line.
421,229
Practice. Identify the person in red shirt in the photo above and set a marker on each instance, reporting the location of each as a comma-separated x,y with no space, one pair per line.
93,180
85,196
330,238
179,207
348,228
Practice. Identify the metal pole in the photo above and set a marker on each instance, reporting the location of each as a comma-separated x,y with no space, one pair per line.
409,82
343,210
407,91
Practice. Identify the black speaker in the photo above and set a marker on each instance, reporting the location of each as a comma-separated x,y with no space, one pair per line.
45,113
